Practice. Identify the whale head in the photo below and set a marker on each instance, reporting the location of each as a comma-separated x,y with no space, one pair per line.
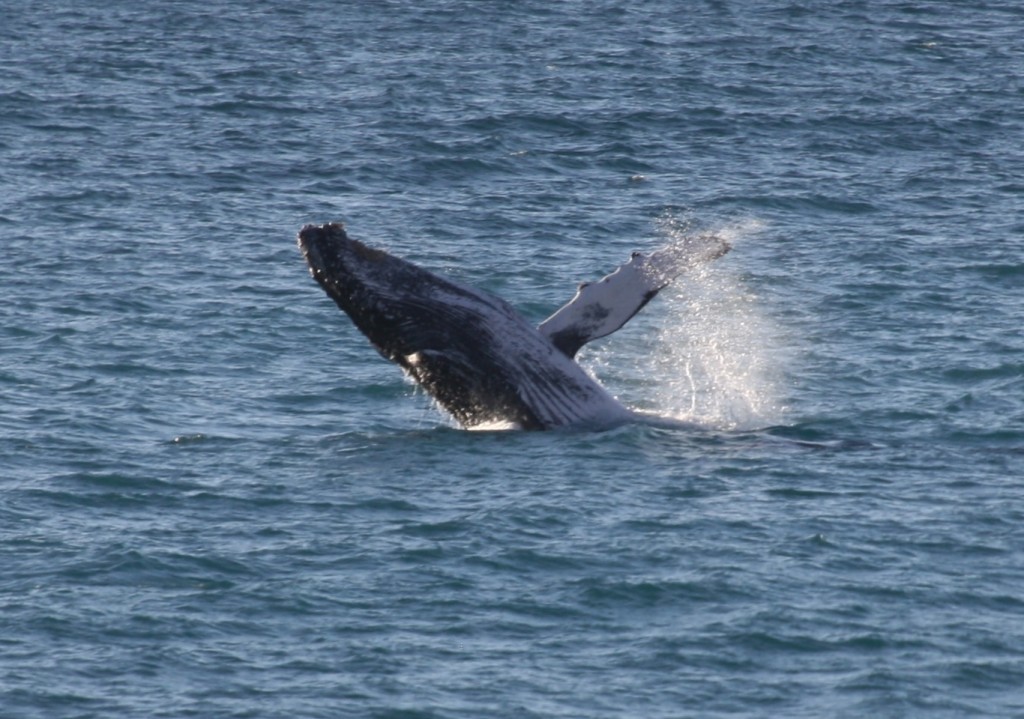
378,291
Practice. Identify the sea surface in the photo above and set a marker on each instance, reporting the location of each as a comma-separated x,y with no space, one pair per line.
217,500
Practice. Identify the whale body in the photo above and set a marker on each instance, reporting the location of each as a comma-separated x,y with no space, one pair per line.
481,360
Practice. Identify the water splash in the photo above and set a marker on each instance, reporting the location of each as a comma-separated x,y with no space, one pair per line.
707,353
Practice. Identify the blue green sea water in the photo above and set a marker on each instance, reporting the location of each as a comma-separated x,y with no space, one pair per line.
218,501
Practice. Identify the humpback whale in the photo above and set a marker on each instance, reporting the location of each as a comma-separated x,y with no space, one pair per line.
481,360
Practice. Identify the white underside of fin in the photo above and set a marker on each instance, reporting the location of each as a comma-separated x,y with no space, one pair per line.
600,308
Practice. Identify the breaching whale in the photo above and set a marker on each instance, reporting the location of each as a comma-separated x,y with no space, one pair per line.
481,360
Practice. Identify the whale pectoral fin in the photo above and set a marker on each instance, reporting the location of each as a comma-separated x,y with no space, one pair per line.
600,308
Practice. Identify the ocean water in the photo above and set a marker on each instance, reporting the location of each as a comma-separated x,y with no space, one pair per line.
218,501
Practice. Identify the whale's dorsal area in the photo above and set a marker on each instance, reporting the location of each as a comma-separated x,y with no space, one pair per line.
600,308
474,353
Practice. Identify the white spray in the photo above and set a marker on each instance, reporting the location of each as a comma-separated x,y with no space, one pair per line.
707,353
